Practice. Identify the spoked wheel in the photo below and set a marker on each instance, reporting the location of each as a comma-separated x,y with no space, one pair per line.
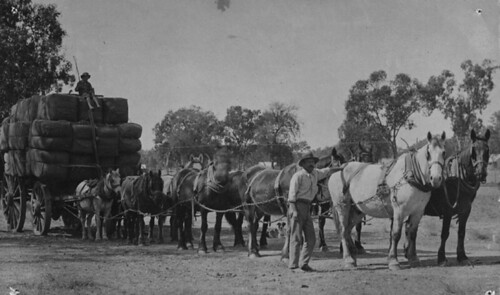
13,196
41,209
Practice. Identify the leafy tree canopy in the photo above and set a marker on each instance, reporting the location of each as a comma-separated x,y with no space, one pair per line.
32,61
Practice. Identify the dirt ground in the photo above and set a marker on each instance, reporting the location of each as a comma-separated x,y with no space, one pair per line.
62,264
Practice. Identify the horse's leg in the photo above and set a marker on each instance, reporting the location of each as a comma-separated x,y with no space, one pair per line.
188,228
285,251
342,221
202,246
143,240
82,214
396,228
411,237
445,233
217,229
253,221
173,228
462,222
357,243
321,225
106,217
263,235
97,215
151,229
161,220
179,226
236,224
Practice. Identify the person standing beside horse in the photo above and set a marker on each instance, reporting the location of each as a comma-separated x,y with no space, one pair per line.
303,188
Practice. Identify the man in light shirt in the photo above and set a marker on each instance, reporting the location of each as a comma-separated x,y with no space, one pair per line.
303,188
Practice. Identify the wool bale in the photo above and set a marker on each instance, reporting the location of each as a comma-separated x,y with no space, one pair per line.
107,131
26,109
58,107
82,167
15,163
4,135
48,166
47,128
18,135
115,110
108,146
129,145
63,144
82,146
130,130
83,111
128,159
107,163
82,130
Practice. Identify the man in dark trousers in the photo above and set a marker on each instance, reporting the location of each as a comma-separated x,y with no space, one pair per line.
86,90
303,188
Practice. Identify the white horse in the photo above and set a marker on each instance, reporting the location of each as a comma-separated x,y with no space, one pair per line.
399,192
97,197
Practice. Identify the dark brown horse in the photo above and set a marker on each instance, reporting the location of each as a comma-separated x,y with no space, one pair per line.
143,195
282,186
213,189
466,170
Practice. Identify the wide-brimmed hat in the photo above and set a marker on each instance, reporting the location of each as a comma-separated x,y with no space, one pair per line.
85,75
308,155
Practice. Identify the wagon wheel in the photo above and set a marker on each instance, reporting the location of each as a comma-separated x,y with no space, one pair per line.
13,196
41,209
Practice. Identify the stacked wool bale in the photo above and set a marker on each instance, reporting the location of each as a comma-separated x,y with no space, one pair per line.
59,142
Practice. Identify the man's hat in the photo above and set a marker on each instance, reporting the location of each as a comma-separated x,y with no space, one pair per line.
308,155
85,75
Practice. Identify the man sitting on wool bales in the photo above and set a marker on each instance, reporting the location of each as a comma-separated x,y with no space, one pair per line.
86,90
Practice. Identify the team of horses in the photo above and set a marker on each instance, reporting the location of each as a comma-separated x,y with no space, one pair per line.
424,181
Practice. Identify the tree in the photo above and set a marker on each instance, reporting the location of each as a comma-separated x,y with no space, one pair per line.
464,103
279,127
32,61
187,131
383,106
240,129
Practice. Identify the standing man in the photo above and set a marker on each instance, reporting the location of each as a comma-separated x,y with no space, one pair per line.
303,188
86,90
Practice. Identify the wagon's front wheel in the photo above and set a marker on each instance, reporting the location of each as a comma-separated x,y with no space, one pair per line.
41,209
13,198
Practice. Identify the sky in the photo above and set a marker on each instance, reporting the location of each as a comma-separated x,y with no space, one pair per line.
163,55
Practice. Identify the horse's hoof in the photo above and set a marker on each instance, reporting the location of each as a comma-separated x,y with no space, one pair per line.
324,248
254,255
414,262
161,241
285,260
394,266
361,251
350,265
202,252
464,262
443,262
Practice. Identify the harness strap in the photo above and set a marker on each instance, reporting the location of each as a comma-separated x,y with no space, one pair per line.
347,182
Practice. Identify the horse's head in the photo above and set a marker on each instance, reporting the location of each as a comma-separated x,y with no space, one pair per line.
155,186
432,156
222,166
480,154
336,159
113,181
365,155
195,162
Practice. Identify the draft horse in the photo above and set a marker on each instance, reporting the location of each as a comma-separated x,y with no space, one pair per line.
400,192
96,197
466,170
212,189
142,195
